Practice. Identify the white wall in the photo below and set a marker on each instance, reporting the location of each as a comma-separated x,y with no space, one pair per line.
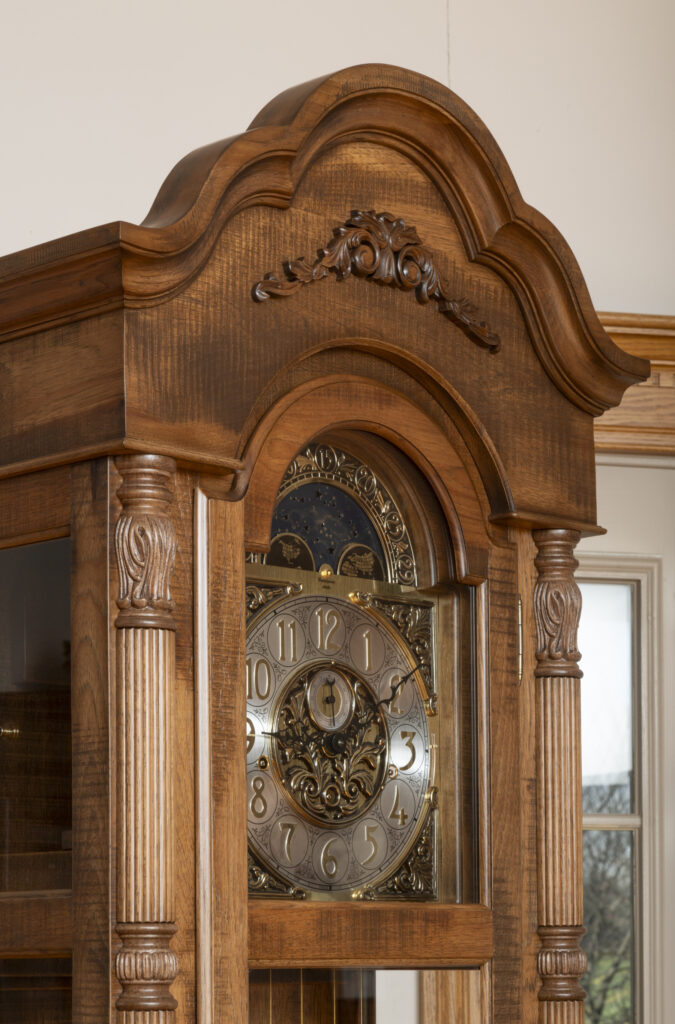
99,100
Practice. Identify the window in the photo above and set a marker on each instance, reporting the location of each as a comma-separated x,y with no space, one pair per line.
619,749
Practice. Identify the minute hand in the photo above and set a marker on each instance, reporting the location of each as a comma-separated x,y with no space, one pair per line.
394,690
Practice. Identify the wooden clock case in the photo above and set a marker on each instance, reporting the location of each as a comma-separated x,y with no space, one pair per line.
156,384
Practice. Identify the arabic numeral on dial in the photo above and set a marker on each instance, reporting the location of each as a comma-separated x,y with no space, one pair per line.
258,679
397,813
288,841
288,828
286,640
329,620
398,803
288,649
409,737
250,735
406,750
394,707
327,629
330,859
329,865
258,799
370,844
367,649
262,799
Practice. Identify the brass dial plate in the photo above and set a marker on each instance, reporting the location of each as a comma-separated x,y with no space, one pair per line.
326,846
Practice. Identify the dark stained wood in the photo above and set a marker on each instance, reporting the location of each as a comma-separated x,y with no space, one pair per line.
93,709
36,924
259,996
344,935
35,507
318,998
64,397
285,996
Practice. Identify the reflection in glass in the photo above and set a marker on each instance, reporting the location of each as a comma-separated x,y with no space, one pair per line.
608,918
606,645
35,745
363,996
35,991
349,996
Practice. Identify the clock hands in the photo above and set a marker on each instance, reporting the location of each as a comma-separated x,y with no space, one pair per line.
394,689
331,699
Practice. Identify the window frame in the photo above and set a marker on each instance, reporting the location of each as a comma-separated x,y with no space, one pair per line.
643,573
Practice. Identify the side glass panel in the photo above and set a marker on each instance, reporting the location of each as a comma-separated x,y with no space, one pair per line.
609,921
611,799
35,740
606,643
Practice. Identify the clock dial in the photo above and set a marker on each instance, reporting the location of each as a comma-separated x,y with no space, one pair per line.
330,700
338,745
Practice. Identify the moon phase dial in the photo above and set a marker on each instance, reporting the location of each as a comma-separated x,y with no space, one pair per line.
338,746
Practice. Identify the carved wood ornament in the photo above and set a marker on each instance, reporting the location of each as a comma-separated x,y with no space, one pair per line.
145,548
382,248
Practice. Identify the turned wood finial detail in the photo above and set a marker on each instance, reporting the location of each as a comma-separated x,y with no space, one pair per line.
557,607
145,542
145,545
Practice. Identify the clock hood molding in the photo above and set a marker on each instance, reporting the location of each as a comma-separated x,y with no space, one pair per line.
127,315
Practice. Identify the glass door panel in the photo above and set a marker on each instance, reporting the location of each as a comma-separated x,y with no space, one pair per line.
35,720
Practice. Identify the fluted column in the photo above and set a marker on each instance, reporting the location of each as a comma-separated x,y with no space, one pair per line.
145,547
557,607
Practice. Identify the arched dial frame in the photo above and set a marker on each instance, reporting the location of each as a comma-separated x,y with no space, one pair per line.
340,793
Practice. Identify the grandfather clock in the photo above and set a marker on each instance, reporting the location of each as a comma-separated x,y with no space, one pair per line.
293,473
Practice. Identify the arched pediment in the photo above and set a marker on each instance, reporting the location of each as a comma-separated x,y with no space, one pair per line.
433,127
370,204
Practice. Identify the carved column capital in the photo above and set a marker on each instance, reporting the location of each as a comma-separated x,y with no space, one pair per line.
145,967
561,963
145,542
557,604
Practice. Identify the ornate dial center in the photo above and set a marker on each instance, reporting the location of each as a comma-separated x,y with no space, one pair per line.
330,699
332,761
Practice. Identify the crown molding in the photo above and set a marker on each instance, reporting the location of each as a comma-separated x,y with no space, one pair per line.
644,422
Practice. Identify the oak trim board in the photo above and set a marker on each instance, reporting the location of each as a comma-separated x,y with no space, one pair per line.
644,422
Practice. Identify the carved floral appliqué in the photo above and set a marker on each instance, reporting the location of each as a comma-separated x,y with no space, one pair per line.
384,249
